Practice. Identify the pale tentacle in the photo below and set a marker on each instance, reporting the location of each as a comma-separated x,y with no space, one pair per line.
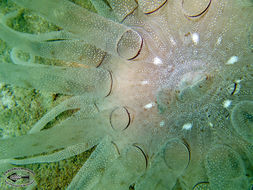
122,8
130,165
54,157
93,83
69,132
225,169
53,46
76,102
103,9
38,37
242,119
150,6
168,165
94,167
90,27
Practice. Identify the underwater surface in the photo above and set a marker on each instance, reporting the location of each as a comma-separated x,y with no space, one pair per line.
126,94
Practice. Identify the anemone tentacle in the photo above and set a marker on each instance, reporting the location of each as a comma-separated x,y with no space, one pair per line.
66,153
91,28
162,90
76,102
92,170
58,79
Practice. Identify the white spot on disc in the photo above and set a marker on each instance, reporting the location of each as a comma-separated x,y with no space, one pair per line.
148,106
172,41
232,60
195,38
238,81
162,123
144,82
187,126
157,61
227,103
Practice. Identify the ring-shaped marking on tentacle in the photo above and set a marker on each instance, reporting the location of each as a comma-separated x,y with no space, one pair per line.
115,112
204,185
143,152
138,53
96,106
147,13
234,89
189,150
198,14
110,91
102,59
121,9
123,43
116,147
128,14
177,155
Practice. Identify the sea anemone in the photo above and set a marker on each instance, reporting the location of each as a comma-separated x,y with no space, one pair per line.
162,90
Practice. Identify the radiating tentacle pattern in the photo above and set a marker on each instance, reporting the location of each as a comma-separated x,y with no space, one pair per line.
162,89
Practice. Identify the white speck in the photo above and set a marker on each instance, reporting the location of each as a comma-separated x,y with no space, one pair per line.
148,106
144,82
157,61
187,126
172,41
219,41
238,81
227,103
232,60
162,123
195,38
210,124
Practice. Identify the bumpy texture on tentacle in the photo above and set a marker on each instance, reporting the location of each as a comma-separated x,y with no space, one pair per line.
161,90
242,119
76,102
122,172
72,81
91,172
225,169
90,27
